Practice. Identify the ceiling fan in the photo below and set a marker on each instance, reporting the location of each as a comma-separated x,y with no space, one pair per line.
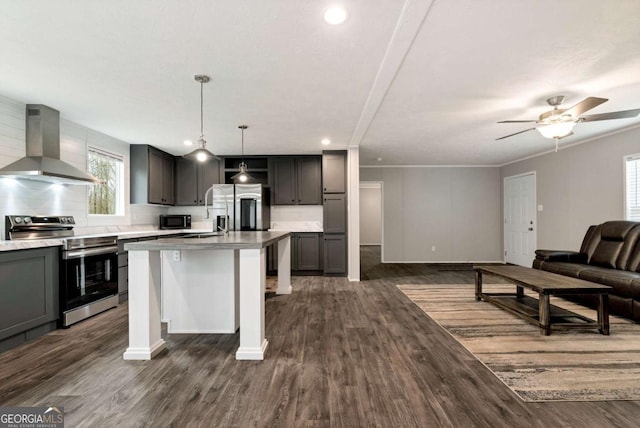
558,123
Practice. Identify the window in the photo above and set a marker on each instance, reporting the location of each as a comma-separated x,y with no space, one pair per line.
106,198
632,187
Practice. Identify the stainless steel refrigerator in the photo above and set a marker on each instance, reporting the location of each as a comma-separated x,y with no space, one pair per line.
252,207
222,205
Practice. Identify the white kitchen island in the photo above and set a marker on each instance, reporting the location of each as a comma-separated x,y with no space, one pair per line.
205,281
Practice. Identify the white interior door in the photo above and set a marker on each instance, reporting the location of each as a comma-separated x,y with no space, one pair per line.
520,219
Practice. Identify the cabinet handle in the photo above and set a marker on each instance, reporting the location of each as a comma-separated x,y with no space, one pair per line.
325,189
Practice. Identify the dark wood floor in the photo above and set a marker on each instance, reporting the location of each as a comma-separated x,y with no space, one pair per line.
340,354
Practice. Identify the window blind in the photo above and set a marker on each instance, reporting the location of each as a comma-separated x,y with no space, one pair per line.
632,188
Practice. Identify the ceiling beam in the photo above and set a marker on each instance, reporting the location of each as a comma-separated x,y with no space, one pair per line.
413,14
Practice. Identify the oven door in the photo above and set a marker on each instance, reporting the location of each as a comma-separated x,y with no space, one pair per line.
87,276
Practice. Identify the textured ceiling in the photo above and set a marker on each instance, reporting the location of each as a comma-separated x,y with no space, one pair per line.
417,83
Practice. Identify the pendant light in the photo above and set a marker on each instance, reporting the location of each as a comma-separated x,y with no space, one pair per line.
201,153
243,176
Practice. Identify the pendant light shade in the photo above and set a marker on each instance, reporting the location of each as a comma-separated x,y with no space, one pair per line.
243,176
201,154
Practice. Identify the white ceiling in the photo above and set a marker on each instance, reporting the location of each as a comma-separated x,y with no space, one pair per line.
415,82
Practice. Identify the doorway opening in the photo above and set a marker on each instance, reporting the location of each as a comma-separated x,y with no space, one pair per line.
371,224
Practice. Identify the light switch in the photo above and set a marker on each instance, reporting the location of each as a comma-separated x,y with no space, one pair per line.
540,207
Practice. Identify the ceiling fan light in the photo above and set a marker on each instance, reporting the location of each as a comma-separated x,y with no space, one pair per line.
556,130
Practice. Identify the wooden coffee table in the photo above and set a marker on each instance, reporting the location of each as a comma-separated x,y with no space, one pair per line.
539,311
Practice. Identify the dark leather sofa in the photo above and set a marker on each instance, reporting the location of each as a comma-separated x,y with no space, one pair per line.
609,255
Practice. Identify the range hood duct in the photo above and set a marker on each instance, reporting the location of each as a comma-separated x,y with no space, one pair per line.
43,162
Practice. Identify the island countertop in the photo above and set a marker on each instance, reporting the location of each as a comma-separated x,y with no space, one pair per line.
230,241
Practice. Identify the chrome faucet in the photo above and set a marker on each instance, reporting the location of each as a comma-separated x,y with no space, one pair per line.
226,208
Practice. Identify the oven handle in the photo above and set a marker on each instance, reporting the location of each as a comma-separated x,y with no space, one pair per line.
67,255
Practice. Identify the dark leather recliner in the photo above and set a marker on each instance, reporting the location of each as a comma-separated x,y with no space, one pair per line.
609,255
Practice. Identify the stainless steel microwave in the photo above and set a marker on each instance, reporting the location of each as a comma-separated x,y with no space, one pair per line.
175,221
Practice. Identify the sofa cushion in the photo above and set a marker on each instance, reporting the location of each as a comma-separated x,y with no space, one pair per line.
615,242
622,306
561,268
620,280
636,310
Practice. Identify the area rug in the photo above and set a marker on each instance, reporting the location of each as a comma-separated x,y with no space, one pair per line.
569,365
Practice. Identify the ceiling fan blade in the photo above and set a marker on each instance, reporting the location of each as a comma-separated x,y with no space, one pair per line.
518,121
511,135
585,105
624,114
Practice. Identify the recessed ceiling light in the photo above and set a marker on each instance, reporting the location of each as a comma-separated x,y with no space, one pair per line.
188,143
335,15
326,141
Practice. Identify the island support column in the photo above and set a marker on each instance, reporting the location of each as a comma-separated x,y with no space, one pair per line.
145,340
284,266
253,343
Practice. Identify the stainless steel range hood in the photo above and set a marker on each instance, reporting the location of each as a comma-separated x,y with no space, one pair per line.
43,152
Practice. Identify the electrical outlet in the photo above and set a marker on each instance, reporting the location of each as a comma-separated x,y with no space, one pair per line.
433,248
176,256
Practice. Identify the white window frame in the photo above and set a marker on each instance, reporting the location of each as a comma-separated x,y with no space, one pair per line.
635,158
121,191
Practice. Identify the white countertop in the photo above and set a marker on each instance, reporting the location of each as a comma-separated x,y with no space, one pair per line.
231,241
285,226
41,243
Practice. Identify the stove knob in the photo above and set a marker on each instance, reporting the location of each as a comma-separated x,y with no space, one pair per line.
18,220
27,219
63,219
70,220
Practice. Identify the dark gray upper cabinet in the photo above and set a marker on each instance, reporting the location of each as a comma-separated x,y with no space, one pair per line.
28,291
296,180
152,175
309,180
193,178
334,213
284,181
334,171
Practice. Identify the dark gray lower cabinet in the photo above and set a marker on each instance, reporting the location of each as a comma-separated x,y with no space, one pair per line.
123,270
335,253
123,265
306,253
28,294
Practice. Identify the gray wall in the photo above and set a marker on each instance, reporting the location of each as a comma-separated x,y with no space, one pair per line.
370,215
455,209
578,186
